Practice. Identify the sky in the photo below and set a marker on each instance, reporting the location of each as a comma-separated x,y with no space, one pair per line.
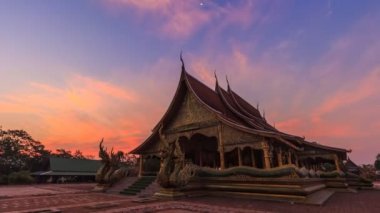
76,71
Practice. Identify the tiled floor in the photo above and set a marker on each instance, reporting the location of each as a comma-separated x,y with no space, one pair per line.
43,189
365,201
78,198
49,201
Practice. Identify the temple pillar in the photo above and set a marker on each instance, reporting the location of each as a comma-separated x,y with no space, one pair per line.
200,159
289,157
239,157
336,159
279,157
141,165
296,160
221,147
267,157
253,158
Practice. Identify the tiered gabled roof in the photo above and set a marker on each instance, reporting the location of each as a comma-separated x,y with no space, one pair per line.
230,109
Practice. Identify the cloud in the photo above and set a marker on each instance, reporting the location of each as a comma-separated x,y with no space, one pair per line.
80,113
182,19
367,87
334,100
142,4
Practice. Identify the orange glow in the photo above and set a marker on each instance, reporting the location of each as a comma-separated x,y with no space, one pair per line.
81,114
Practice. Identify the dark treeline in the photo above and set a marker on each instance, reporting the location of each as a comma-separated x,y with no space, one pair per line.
20,152
377,162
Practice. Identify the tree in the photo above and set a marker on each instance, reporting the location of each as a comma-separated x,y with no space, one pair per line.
377,162
62,153
130,159
19,151
78,155
10,155
368,171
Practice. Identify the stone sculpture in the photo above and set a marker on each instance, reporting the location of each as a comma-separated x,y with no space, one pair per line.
174,172
111,170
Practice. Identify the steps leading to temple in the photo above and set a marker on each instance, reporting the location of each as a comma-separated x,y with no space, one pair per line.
318,197
336,183
150,190
121,185
139,185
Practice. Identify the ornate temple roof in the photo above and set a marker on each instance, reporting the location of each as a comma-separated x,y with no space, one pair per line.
231,110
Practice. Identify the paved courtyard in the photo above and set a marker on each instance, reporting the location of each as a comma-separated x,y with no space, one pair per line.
79,198
43,189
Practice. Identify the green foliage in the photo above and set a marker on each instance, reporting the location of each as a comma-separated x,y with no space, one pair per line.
368,171
78,155
21,177
19,151
62,153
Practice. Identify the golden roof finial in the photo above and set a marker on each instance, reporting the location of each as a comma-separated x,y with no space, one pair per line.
183,64
216,77
228,83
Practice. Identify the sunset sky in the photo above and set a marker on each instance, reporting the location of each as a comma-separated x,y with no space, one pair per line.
75,71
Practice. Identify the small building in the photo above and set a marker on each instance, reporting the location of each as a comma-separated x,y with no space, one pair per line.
66,169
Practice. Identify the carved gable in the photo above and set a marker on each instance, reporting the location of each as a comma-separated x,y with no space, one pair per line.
191,114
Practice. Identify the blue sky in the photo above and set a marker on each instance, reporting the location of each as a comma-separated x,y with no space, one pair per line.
110,67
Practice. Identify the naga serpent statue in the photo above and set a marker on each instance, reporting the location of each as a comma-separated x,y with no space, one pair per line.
110,171
174,173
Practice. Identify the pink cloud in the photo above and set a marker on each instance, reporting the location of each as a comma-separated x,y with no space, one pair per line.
367,87
181,19
336,102
142,4
79,114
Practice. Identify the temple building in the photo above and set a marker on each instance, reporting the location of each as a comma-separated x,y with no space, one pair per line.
219,129
212,140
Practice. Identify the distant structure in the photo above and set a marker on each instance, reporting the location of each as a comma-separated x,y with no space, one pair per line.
227,140
69,170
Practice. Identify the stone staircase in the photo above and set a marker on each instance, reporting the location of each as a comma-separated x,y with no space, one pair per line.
141,185
121,185
150,190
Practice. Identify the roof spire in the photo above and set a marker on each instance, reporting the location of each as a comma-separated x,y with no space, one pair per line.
264,114
228,83
257,106
183,64
216,77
